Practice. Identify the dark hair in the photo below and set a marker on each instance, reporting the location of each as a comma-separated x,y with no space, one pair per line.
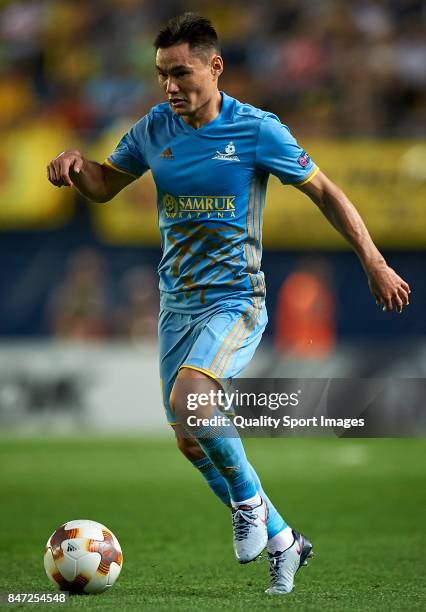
189,28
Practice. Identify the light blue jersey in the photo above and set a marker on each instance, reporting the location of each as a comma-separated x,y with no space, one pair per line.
211,185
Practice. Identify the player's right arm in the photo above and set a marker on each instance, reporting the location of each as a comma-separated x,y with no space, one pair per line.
97,182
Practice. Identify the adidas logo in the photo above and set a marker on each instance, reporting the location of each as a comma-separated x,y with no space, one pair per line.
167,154
71,547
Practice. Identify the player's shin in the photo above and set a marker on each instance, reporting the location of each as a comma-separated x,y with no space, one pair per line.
228,456
214,479
216,435
276,523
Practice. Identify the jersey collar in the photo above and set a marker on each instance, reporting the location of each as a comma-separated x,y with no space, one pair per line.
225,112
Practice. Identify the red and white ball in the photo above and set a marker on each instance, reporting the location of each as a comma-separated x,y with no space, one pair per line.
83,557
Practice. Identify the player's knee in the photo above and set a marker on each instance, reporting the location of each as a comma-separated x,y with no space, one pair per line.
176,402
188,385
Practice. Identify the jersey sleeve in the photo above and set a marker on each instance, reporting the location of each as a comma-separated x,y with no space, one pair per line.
129,154
278,153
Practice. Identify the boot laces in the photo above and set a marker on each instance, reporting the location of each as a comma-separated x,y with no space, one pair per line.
275,567
243,521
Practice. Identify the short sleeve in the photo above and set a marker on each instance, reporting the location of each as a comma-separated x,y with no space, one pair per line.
278,153
129,154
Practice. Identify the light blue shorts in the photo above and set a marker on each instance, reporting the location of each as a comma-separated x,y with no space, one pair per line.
219,342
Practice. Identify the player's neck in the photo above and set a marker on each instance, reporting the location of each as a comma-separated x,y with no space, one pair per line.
205,113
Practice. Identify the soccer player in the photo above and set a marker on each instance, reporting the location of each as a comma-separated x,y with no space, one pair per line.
210,156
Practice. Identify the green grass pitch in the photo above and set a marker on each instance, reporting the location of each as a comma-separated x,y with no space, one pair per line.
361,502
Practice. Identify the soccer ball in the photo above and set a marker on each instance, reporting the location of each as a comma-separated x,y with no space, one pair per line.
83,557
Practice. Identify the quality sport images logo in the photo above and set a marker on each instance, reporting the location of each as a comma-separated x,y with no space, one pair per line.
200,206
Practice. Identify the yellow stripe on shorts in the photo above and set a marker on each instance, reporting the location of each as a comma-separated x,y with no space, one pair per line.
248,325
229,338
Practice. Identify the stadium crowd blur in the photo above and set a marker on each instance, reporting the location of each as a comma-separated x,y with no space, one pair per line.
330,68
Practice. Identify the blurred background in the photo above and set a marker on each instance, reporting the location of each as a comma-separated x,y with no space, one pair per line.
78,284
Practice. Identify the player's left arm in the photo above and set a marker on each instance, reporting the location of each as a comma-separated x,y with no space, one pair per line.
387,287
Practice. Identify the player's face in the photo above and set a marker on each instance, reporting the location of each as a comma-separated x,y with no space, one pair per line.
189,78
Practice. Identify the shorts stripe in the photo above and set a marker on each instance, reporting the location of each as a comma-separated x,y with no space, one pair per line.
248,325
241,323
228,339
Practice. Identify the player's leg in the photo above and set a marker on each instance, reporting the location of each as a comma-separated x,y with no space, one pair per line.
220,442
177,334
287,549
190,448
222,445
226,343
237,341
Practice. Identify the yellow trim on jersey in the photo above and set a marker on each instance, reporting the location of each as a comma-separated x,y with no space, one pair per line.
109,163
202,370
309,178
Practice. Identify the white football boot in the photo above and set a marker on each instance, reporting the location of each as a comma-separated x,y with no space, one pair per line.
249,530
284,565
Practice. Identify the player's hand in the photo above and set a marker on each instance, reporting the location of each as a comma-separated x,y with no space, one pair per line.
388,288
58,170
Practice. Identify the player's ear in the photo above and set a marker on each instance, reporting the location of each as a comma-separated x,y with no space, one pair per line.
216,66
